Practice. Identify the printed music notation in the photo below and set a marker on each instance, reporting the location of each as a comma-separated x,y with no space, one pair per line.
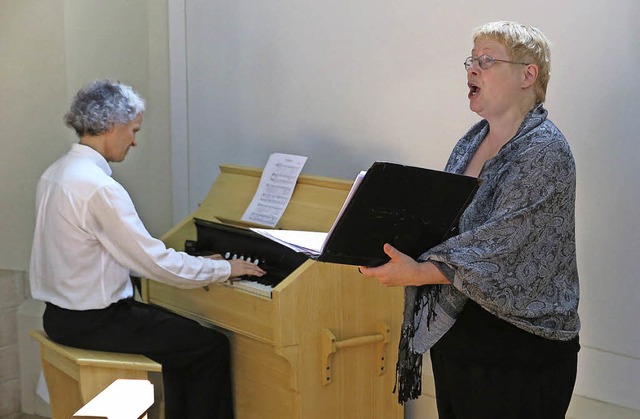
275,189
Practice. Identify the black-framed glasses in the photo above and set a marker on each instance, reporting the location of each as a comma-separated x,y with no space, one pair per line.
486,61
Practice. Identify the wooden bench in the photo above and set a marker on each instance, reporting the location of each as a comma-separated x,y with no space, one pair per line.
75,376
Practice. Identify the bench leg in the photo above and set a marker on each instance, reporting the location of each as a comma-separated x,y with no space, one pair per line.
95,379
64,393
71,389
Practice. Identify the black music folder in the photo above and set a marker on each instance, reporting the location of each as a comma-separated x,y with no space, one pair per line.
411,208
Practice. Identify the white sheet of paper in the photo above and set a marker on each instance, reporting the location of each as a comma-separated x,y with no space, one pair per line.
355,185
309,242
41,388
275,189
300,241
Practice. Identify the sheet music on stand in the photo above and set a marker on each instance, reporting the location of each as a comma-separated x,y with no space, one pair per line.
274,192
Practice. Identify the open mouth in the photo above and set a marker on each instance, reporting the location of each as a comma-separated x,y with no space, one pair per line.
473,89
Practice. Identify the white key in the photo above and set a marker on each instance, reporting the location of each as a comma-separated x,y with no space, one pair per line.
252,287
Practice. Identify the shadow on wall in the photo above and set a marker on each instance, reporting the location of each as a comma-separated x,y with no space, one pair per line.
331,156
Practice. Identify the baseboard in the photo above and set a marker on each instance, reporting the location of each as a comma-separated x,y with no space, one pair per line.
610,377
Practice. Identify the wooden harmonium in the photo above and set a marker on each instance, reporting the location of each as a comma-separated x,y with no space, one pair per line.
233,242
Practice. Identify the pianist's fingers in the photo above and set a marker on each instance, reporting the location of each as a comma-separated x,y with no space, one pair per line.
241,267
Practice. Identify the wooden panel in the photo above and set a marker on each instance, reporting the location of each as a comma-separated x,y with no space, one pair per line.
61,362
314,205
95,379
338,298
262,381
69,357
64,392
222,305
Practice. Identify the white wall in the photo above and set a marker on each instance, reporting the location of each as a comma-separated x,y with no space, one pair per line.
128,41
48,50
32,84
347,82
344,82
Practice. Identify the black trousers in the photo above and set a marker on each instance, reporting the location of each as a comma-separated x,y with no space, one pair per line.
486,391
486,368
195,360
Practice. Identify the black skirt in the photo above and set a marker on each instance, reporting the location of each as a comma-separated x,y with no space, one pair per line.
485,367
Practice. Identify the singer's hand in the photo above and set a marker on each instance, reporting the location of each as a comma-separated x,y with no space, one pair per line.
402,270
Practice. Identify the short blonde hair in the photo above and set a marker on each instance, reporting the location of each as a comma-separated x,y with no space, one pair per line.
523,44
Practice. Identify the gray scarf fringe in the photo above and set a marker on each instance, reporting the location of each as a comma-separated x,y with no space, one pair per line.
409,365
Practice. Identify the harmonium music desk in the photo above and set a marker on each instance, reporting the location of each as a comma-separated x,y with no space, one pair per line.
319,340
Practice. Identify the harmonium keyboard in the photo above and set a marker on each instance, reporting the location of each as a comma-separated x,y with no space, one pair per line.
310,339
241,243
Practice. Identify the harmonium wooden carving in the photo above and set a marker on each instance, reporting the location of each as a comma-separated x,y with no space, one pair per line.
314,340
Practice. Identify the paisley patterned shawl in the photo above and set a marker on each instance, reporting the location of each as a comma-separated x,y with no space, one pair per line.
515,254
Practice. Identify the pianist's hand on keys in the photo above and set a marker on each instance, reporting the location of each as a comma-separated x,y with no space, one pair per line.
240,267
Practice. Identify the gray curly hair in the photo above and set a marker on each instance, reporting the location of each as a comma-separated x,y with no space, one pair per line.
101,104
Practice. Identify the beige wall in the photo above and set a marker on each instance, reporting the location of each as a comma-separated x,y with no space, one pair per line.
349,82
270,84
48,50
12,294
33,91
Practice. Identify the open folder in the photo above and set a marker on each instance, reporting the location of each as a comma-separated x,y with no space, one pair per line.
411,208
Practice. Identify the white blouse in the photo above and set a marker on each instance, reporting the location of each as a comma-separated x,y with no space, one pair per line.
89,237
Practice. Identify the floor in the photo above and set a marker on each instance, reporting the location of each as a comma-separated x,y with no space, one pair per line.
581,408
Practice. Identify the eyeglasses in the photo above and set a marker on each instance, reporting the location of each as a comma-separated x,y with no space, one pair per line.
486,61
